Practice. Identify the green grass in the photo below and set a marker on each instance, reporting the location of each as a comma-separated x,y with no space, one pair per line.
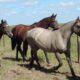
10,70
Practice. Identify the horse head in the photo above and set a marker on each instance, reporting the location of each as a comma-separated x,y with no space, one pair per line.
53,22
76,27
4,28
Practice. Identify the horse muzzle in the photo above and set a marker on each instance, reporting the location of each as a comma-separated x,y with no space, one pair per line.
10,35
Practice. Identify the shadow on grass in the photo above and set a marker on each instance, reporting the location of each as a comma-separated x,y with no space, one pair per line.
51,71
14,59
11,58
73,78
42,69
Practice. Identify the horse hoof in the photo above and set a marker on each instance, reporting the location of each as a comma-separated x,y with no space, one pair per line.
55,68
49,65
30,66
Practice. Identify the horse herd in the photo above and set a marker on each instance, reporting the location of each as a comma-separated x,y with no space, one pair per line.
38,37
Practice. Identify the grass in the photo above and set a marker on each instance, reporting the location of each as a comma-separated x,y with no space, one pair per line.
14,70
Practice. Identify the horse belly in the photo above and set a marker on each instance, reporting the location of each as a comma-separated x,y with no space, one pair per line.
44,43
41,41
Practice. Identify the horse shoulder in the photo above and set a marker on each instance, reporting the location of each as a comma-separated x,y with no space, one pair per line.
59,42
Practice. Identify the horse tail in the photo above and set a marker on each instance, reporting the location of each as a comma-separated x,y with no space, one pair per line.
13,43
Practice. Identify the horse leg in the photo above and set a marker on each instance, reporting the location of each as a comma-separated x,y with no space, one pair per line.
59,60
17,52
21,52
25,48
67,54
17,47
32,58
46,56
36,59
13,43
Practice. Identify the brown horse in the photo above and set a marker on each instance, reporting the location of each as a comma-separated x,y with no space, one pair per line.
20,30
4,29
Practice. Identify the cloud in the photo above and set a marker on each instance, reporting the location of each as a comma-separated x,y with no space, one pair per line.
3,1
78,8
31,2
11,13
67,4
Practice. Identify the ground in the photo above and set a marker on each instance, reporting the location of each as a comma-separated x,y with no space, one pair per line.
10,69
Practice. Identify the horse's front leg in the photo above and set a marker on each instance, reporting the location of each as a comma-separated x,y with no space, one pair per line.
67,54
59,60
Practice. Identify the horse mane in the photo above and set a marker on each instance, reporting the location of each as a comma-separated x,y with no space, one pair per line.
69,23
45,19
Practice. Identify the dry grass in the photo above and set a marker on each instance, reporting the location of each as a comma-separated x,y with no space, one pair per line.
11,69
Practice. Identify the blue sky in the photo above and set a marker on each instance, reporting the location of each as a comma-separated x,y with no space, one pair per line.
30,11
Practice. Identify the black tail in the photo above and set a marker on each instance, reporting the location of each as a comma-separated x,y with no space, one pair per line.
13,43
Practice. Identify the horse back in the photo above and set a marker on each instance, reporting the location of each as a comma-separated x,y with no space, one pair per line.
18,34
20,30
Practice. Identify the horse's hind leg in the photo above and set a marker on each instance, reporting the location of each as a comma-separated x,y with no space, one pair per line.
34,57
17,53
17,50
21,52
46,56
25,48
59,60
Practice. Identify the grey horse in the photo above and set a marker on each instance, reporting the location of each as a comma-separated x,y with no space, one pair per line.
53,41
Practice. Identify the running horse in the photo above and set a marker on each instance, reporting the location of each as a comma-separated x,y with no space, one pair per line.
20,30
4,29
53,41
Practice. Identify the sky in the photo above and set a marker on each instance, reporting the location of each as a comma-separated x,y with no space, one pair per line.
31,11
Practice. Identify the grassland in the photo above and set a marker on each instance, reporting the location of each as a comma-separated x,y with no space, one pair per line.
17,70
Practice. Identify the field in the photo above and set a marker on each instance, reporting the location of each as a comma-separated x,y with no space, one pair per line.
11,69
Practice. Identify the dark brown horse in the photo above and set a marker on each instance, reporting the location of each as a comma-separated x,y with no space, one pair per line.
20,30
4,29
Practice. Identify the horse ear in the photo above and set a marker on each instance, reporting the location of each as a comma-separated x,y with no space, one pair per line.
53,16
5,21
78,18
2,21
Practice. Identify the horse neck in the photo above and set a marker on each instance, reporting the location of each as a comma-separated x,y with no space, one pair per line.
66,30
42,24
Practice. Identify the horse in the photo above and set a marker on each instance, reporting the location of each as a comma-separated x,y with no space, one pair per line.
20,30
53,41
4,29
